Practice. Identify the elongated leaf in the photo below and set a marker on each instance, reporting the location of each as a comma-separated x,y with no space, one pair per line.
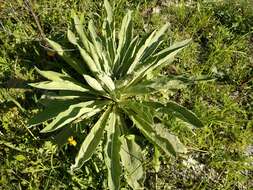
72,37
128,55
51,75
107,82
154,85
109,11
91,141
72,113
95,39
178,111
156,161
125,37
154,38
157,135
88,60
55,76
79,30
93,83
59,85
175,46
67,57
112,157
51,111
153,63
132,161
183,114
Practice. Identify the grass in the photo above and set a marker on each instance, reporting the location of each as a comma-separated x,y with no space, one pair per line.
220,154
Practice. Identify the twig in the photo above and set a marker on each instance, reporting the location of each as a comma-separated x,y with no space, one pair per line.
29,6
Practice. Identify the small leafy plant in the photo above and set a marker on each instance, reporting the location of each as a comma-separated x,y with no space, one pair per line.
115,73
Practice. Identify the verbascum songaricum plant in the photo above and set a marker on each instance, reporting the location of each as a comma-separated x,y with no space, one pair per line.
113,72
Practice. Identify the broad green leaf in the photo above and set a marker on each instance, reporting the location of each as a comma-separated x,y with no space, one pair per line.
88,60
59,85
175,46
72,113
157,135
79,30
67,57
51,111
112,149
154,85
153,63
174,109
154,38
109,11
125,37
126,56
51,75
95,39
107,81
55,76
71,37
91,141
109,41
183,113
93,83
132,161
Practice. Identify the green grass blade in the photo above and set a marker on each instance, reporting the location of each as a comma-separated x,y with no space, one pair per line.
91,141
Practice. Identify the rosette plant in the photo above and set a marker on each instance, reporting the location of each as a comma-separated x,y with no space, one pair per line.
112,80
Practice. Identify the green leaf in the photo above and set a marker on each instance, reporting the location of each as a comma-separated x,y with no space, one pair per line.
93,83
156,161
174,109
88,60
72,37
154,62
125,37
109,11
79,30
51,111
154,85
112,156
127,57
132,161
95,39
91,141
157,135
107,82
154,38
20,157
60,85
67,57
72,113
